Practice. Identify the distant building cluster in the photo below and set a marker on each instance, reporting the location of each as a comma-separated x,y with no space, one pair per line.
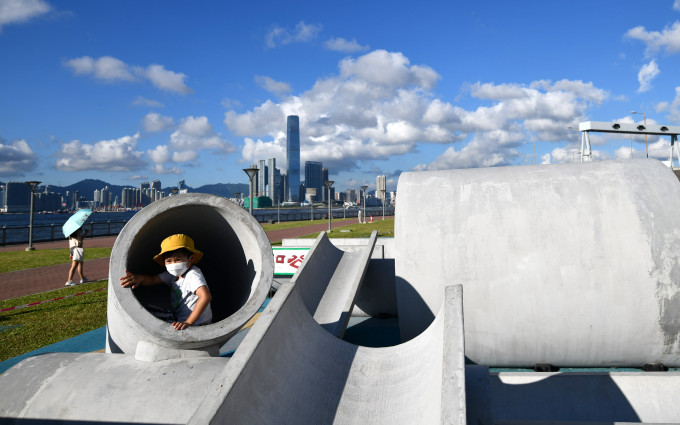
15,197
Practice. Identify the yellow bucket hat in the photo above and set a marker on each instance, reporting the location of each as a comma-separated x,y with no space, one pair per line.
174,242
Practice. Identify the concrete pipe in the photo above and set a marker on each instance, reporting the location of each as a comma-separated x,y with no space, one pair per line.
569,265
237,263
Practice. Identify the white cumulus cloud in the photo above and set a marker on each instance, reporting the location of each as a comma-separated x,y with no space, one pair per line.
379,105
668,39
154,122
17,11
346,46
16,158
647,73
166,80
196,133
106,155
271,85
111,69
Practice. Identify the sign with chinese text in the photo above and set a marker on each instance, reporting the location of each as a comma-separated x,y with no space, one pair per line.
288,260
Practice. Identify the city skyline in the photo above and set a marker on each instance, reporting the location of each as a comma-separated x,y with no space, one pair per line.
201,91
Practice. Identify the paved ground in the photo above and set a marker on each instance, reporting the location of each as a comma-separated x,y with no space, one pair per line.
42,279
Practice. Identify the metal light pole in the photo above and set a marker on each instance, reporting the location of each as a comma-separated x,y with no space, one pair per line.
328,184
644,117
252,171
383,199
33,185
278,210
363,188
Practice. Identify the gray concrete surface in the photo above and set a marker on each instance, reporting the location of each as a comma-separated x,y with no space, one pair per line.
571,265
324,380
237,264
377,295
112,388
329,280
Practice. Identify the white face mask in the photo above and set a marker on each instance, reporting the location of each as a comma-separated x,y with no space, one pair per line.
177,269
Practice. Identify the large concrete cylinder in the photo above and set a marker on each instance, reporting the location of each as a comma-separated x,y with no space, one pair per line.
571,265
237,263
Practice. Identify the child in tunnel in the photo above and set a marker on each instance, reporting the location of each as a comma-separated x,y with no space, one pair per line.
190,295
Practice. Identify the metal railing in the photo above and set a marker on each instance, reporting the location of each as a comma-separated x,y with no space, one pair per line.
267,215
12,235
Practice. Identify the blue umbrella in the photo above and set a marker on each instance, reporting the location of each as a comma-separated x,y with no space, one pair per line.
75,222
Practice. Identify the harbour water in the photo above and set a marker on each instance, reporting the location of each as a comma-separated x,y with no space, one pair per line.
46,227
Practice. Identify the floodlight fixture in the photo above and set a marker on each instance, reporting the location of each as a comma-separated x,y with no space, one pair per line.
252,171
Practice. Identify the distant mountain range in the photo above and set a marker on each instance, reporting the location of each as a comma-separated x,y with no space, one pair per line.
87,187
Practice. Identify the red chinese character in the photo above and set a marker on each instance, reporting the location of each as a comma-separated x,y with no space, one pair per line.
295,261
280,258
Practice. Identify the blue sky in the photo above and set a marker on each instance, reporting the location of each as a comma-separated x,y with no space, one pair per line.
128,91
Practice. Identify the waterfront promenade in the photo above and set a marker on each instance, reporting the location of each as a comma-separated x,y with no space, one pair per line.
41,279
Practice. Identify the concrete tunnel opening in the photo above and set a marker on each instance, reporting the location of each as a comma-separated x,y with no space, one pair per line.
237,264
224,264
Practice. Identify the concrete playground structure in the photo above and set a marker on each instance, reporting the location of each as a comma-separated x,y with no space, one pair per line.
237,265
542,267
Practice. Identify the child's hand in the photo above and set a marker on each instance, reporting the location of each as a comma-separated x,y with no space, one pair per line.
180,325
130,280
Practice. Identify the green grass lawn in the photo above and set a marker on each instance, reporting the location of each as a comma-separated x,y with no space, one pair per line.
22,260
385,229
294,224
30,328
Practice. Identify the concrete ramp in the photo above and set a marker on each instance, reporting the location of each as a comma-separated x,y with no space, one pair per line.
290,370
329,280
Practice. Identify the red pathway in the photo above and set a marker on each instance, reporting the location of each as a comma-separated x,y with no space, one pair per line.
42,279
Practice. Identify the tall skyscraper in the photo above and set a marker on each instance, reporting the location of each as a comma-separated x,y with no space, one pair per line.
313,178
293,157
156,184
380,187
144,194
262,178
273,180
105,197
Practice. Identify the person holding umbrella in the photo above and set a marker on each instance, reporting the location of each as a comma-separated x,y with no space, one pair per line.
72,229
75,244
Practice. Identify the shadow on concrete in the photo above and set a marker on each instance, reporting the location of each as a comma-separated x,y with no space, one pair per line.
414,314
560,397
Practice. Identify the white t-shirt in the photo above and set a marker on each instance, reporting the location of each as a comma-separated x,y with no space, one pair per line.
183,294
